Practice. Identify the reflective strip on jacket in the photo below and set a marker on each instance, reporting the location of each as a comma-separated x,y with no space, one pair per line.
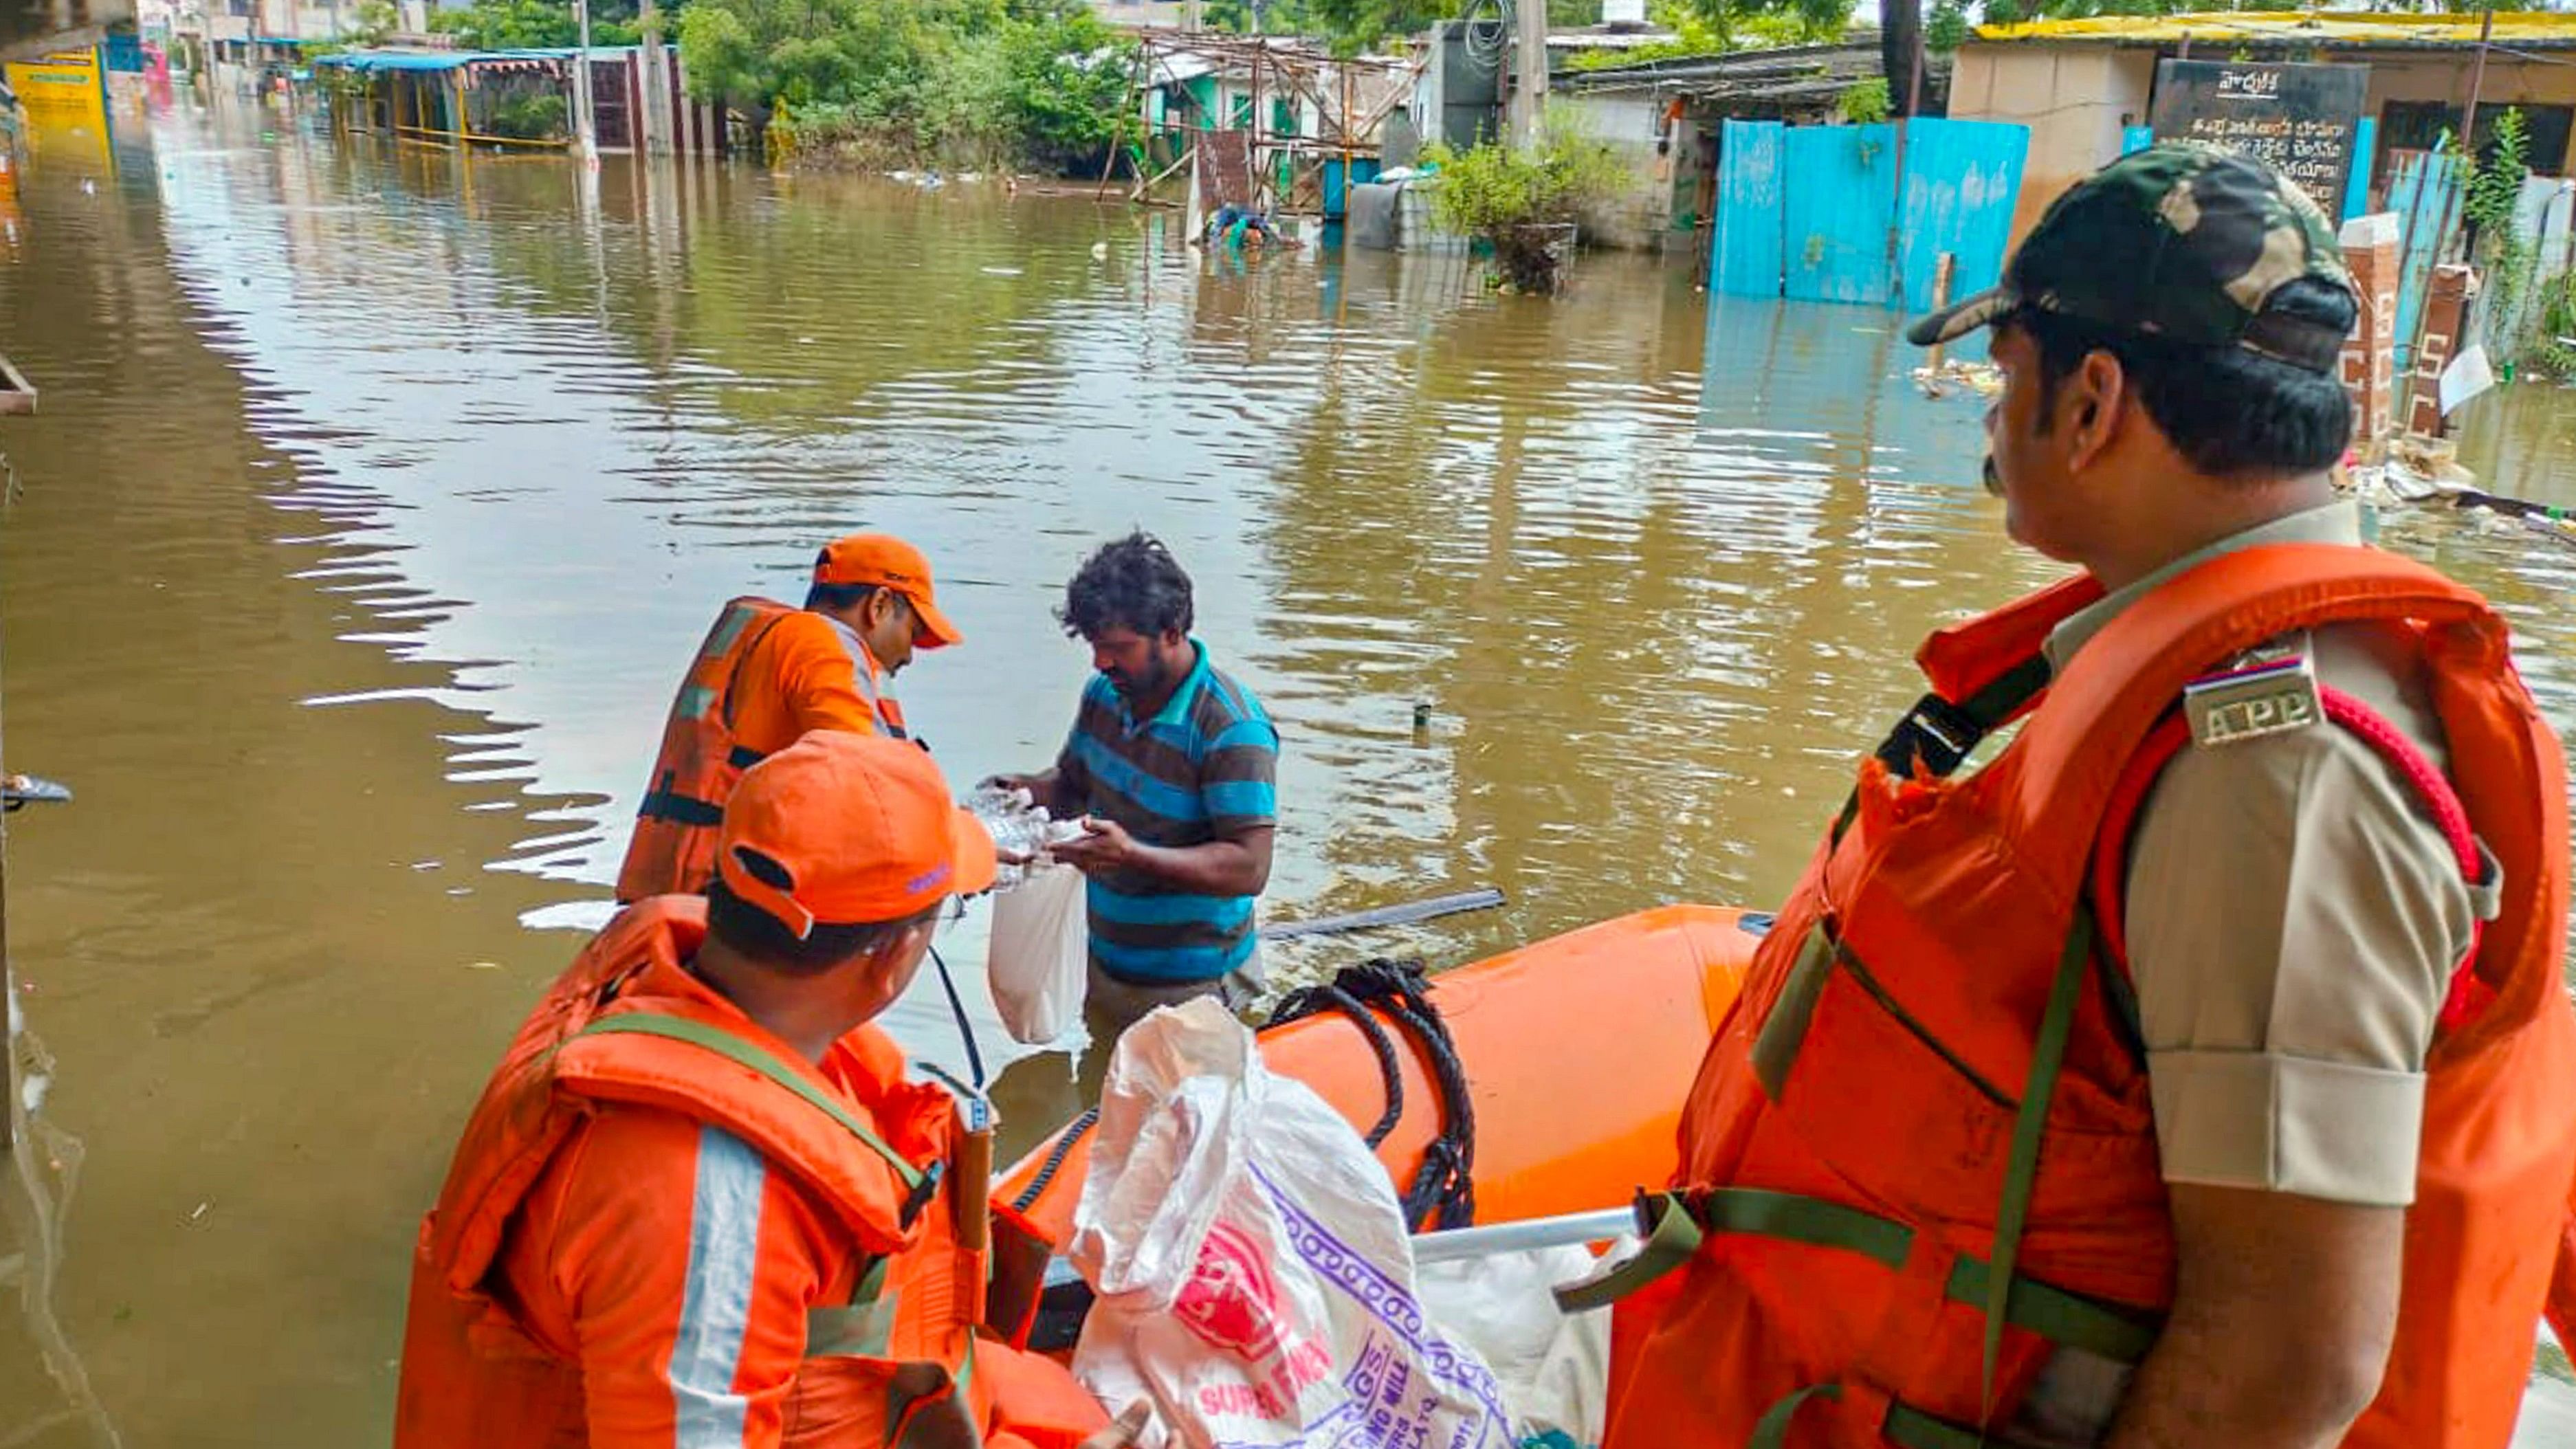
664,1229
703,750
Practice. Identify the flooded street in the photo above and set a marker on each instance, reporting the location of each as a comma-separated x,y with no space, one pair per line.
377,500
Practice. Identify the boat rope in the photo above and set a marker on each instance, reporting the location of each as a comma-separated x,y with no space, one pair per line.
1055,1160
1443,1192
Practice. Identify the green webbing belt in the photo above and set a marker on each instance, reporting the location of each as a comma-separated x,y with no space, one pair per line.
759,1059
863,1327
2021,1171
1914,1429
1670,1242
1808,1220
1772,1431
2057,1315
1674,1234
1905,1427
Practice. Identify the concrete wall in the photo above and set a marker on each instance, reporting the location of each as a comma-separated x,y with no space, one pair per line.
2075,102
1625,120
2076,99
2509,81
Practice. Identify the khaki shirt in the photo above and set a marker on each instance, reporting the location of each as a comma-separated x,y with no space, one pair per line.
2293,917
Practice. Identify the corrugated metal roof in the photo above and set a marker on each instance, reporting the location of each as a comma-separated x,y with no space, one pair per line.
2533,30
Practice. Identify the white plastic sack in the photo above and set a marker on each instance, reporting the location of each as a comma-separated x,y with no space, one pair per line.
1554,1367
1253,1276
1039,960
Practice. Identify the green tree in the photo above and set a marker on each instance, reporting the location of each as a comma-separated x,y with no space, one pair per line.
1070,83
1259,17
374,21
907,82
1695,34
1519,198
2488,204
534,24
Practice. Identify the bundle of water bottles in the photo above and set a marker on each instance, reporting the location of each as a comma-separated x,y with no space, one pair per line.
1020,827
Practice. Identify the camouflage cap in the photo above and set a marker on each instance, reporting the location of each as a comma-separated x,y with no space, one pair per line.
2181,241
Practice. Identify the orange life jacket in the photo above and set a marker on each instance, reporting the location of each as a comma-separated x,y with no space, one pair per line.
901,1363
674,846
1920,1156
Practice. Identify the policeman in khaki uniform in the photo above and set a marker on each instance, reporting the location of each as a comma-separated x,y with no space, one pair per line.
2198,1069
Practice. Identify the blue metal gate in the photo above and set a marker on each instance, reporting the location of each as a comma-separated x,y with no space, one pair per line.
1820,213
2424,191
1746,237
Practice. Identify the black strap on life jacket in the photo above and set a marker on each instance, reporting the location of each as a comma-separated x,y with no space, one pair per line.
664,803
1938,734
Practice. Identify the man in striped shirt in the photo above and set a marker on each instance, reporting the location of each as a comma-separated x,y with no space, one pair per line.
1171,764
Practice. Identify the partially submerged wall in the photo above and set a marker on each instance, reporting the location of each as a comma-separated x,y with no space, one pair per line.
2075,101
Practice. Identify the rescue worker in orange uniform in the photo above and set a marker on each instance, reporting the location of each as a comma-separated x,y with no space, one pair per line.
2196,1070
701,1203
764,676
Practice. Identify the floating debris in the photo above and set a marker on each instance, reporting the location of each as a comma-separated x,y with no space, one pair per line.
2426,472
1983,379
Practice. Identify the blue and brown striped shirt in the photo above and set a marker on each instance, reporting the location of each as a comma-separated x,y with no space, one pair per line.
1201,769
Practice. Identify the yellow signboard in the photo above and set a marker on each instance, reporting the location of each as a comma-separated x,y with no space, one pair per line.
62,92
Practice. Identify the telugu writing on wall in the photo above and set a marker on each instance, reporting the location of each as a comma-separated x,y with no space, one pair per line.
2297,118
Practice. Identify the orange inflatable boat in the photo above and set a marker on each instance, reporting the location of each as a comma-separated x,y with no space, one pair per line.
1573,1054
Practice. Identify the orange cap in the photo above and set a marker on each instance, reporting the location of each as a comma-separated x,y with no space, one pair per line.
862,828
889,563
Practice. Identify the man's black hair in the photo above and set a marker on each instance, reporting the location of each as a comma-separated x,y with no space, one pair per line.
2231,412
837,597
1131,583
765,938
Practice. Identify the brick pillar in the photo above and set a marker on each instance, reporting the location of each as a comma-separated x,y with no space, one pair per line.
2371,250
2446,309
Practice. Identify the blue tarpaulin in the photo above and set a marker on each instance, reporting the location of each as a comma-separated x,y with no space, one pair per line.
370,61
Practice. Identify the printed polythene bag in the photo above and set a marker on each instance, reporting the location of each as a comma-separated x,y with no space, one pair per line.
1251,1269
1554,1366
1039,960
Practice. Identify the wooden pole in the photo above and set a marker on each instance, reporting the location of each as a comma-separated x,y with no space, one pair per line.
2477,84
8,1007
1529,98
1942,272
585,120
1159,177
1914,75
1346,133
1904,133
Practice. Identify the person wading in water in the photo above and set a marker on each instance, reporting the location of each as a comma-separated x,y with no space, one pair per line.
1172,763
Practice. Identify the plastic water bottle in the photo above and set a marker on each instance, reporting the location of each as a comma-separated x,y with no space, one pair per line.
1019,826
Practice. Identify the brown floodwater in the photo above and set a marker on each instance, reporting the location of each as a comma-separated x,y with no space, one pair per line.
376,499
